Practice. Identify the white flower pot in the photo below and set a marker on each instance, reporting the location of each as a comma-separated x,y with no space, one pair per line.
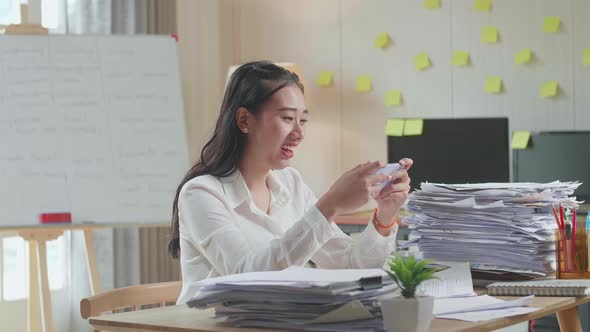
407,315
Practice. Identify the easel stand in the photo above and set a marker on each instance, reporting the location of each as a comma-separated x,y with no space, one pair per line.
39,307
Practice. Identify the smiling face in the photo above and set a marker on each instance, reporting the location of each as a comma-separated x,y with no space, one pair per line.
275,131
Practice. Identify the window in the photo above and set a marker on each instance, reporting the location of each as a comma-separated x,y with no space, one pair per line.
52,13
9,12
15,266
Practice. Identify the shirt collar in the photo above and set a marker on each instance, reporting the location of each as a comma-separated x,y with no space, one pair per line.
237,192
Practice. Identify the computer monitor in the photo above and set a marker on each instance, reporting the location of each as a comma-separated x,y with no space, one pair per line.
455,151
550,156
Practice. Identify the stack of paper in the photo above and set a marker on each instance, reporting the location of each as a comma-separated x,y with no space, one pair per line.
298,298
497,227
314,299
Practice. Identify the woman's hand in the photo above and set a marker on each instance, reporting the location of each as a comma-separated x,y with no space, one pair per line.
393,195
352,190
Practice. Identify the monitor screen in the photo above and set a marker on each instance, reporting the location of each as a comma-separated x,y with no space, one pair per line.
455,151
550,156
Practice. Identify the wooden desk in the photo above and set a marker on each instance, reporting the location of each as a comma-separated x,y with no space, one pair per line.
182,318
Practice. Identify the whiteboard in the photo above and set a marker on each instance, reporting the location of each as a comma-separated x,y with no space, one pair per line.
91,125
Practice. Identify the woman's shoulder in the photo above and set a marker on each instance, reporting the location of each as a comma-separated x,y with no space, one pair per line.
205,183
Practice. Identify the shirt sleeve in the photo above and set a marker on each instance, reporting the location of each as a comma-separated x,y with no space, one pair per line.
208,222
369,250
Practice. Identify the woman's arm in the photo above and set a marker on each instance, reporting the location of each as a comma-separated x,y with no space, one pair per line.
207,222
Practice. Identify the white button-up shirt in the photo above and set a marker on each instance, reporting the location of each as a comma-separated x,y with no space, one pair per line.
223,232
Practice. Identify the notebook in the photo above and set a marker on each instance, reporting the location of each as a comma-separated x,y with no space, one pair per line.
547,287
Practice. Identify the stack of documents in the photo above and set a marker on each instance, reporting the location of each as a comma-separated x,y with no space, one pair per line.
497,227
315,299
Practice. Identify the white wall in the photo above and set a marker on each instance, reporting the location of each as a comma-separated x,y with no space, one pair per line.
347,127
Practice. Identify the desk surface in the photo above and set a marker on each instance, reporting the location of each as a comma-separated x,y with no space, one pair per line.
182,318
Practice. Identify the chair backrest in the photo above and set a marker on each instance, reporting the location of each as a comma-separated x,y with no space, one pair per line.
130,297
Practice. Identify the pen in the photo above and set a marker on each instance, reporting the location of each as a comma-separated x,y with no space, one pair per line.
568,236
563,239
573,244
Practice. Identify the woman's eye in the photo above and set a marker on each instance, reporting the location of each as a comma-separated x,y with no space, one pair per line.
303,122
288,118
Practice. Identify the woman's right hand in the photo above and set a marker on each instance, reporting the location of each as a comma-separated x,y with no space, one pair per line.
352,190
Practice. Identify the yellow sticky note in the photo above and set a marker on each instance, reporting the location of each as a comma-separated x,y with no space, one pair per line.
460,58
421,61
394,127
586,59
551,24
382,40
523,56
363,83
493,84
549,89
431,4
483,5
393,98
489,35
520,139
413,127
324,78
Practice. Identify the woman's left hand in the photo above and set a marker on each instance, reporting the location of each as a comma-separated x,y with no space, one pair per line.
393,195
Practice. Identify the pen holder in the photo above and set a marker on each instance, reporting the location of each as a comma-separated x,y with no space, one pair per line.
572,263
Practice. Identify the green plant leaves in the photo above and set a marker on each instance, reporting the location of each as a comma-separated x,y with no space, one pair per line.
408,272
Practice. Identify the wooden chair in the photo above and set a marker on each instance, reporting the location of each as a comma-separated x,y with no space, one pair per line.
132,297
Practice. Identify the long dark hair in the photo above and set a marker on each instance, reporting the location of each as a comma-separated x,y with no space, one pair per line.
250,86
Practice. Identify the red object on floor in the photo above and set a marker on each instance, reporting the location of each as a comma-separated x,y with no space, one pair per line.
46,218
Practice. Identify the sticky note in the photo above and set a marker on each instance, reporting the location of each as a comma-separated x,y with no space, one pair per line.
393,98
520,139
551,24
489,35
421,61
363,83
324,78
523,56
394,127
586,59
431,4
413,127
493,84
460,58
382,40
482,5
549,89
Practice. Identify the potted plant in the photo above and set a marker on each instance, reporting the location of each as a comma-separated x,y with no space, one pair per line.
408,313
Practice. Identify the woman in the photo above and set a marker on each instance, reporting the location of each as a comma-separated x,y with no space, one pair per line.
241,208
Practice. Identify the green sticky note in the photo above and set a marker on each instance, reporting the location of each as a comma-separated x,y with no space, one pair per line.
421,61
586,59
431,4
394,127
483,5
393,98
551,24
460,58
363,83
489,35
549,89
324,78
520,139
382,40
523,56
413,127
493,84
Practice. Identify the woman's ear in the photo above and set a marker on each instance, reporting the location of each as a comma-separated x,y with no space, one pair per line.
243,119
